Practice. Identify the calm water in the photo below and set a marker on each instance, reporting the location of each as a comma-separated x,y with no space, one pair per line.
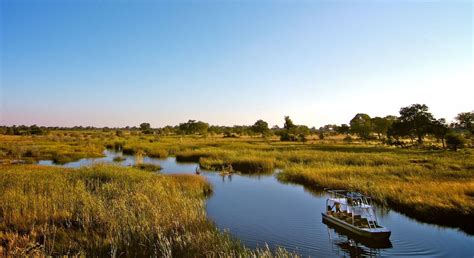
260,209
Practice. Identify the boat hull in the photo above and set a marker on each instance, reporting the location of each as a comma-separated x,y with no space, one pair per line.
376,234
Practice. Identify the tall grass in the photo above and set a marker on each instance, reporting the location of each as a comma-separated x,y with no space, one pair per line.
430,191
108,211
406,179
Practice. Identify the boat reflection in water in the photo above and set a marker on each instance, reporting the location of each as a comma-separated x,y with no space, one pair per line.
355,245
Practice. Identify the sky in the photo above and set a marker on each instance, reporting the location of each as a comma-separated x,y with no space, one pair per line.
119,63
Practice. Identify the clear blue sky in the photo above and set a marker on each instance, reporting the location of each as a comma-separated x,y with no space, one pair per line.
117,63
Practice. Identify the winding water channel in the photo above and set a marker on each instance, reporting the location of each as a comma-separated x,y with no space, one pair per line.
260,210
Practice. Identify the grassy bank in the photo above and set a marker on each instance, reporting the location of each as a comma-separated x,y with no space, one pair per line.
107,210
434,187
148,167
61,147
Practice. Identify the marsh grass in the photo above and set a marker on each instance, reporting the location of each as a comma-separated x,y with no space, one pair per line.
251,165
148,167
157,153
192,156
119,158
57,147
417,181
106,210
435,190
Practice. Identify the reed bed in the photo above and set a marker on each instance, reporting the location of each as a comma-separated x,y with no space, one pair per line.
106,210
148,167
418,182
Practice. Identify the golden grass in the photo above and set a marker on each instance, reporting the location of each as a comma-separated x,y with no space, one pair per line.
58,147
108,210
418,182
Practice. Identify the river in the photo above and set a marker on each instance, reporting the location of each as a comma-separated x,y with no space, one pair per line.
260,210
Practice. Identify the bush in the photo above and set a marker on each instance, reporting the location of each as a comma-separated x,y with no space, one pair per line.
211,163
191,156
347,139
321,136
118,133
129,151
455,141
253,165
148,167
157,153
118,159
288,137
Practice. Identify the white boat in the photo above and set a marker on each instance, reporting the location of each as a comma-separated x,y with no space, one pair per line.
353,212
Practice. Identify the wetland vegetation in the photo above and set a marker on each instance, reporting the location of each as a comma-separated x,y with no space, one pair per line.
109,210
112,210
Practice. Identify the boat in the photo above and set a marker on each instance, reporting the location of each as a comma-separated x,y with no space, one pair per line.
354,213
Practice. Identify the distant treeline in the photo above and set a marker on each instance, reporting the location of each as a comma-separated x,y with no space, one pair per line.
415,122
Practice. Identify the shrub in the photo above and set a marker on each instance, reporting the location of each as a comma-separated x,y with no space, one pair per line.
157,153
321,136
129,150
118,159
211,163
192,156
148,167
455,141
347,139
288,137
253,165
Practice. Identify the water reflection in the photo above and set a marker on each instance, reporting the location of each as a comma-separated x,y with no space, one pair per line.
259,210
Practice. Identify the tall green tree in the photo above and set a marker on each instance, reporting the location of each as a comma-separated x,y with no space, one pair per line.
361,125
292,132
146,128
289,125
439,129
194,127
343,129
379,126
417,119
260,127
465,121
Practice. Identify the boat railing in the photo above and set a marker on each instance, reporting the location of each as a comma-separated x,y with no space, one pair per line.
354,202
354,199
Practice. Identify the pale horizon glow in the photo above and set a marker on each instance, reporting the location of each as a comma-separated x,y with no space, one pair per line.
120,63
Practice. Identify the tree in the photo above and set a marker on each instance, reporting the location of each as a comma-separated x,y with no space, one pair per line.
455,141
417,120
343,129
36,130
146,128
10,131
439,130
361,125
194,127
465,121
380,125
293,132
301,129
321,135
260,127
118,133
288,124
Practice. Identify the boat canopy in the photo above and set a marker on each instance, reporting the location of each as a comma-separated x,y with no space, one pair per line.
352,202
